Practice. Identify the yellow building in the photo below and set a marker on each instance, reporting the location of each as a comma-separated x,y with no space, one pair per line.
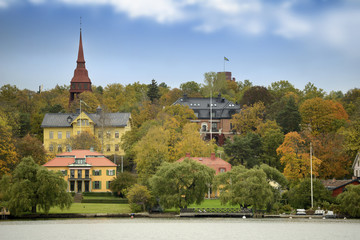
84,170
107,127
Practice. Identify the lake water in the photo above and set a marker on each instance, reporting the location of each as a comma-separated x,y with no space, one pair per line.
174,228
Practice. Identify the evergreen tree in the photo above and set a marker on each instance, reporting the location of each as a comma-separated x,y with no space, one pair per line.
289,118
153,91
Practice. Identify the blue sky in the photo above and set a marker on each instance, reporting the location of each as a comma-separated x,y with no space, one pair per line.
175,41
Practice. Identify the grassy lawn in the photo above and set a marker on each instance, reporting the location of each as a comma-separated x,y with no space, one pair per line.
93,208
100,197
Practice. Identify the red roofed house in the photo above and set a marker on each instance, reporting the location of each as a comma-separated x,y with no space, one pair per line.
338,186
213,162
84,170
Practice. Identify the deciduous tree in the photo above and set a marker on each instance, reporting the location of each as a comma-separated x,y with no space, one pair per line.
122,182
30,146
180,184
138,195
245,187
84,140
289,117
295,155
249,118
349,201
33,186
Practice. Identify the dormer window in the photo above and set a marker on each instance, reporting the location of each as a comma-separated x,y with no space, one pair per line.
69,119
80,161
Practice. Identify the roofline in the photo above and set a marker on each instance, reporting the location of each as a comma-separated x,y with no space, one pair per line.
356,159
334,187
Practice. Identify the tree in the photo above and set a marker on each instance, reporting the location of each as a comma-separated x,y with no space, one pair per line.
244,150
295,155
192,143
322,115
84,140
272,174
30,146
138,195
215,83
192,89
300,194
182,114
180,184
280,88
150,152
8,156
349,200
244,187
289,117
249,118
90,100
122,182
271,140
352,138
33,186
153,91
256,94
311,91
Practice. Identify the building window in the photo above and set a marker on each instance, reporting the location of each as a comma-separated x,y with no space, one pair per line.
99,134
108,148
97,185
79,173
86,173
68,148
108,184
214,126
97,172
67,134
78,122
231,126
110,172
117,134
196,114
51,135
116,147
203,128
72,186
108,134
72,173
59,135
51,148
222,170
59,149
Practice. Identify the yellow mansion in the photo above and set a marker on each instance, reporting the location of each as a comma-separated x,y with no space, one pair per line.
107,127
84,170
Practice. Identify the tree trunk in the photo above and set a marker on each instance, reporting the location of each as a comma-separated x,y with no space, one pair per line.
33,209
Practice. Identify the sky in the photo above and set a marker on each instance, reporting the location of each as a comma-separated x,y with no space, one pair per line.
176,41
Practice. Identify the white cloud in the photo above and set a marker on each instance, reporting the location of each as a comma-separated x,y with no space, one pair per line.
292,19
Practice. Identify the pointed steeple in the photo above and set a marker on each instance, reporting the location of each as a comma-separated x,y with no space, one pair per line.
81,81
81,58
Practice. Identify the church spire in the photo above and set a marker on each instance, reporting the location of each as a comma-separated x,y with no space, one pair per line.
81,81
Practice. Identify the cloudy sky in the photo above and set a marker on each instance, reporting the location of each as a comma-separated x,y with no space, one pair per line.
175,41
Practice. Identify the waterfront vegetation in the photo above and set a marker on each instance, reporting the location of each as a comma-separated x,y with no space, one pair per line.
92,208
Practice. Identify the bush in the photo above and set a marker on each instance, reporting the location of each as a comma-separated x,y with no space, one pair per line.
349,200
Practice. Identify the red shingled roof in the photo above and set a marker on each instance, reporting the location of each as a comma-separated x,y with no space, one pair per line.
60,161
212,162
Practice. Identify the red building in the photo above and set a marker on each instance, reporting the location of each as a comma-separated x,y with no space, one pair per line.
81,81
338,186
213,162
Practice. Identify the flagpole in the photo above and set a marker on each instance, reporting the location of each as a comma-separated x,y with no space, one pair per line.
311,178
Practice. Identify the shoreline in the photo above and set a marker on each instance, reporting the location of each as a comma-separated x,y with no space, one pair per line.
159,215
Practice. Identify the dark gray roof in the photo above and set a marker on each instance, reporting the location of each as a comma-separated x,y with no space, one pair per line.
221,107
61,119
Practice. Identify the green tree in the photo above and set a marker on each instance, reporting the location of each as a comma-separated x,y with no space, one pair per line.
30,146
271,140
122,182
8,155
300,194
33,186
272,174
244,150
192,89
311,91
249,118
153,91
180,184
150,152
349,200
138,195
84,140
256,94
244,187
289,117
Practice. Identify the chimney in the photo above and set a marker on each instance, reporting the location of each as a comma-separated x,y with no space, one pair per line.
187,155
213,156
98,110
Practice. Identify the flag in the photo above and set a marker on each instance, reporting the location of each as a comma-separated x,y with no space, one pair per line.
226,59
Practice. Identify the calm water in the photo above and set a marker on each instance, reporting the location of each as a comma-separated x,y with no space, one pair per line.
194,229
